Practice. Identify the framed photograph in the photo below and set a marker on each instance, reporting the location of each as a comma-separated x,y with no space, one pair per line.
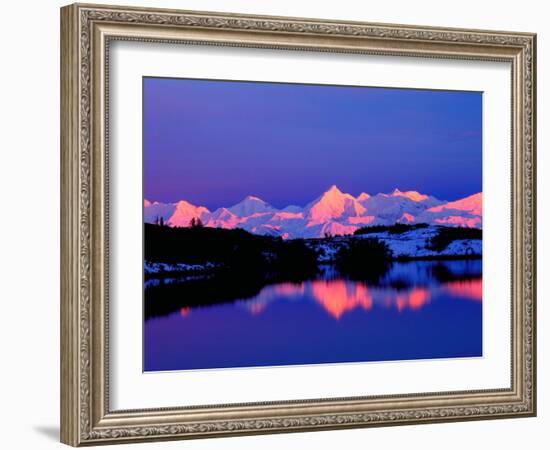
275,224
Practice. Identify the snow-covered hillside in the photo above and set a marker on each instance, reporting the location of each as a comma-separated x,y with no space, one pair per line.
333,213
410,244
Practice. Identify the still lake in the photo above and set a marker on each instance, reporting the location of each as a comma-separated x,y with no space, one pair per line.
415,310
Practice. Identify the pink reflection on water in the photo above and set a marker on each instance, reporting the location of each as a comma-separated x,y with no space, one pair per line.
290,289
257,307
274,293
414,299
339,296
469,289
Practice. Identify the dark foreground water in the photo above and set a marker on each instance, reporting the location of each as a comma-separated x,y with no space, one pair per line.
416,310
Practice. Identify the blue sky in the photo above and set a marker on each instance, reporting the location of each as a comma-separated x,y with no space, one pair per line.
214,142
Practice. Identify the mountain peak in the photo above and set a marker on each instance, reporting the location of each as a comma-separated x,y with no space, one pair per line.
333,204
473,204
464,212
363,196
251,205
253,198
184,212
333,190
333,193
415,196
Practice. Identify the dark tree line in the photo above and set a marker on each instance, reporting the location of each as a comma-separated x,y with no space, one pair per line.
397,228
234,249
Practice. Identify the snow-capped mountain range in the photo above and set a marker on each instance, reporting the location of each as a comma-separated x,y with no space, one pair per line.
333,213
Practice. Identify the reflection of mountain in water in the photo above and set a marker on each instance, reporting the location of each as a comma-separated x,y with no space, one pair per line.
405,285
413,310
340,296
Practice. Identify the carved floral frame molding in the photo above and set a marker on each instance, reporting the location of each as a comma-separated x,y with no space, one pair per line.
86,32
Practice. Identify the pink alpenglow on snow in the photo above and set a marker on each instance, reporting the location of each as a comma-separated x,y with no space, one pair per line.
407,218
412,195
473,204
223,218
251,205
466,212
333,213
333,204
184,212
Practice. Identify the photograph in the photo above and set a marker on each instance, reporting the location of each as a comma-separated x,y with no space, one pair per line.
290,220
294,224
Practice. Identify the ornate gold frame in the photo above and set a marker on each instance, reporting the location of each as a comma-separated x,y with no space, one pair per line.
86,31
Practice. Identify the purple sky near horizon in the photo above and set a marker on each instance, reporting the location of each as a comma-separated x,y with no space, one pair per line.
214,142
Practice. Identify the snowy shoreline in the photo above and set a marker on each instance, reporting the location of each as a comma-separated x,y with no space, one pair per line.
158,269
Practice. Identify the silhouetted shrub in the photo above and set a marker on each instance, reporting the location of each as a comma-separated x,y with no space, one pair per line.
294,259
366,259
446,235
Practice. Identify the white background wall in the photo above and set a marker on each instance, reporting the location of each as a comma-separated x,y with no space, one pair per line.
29,224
